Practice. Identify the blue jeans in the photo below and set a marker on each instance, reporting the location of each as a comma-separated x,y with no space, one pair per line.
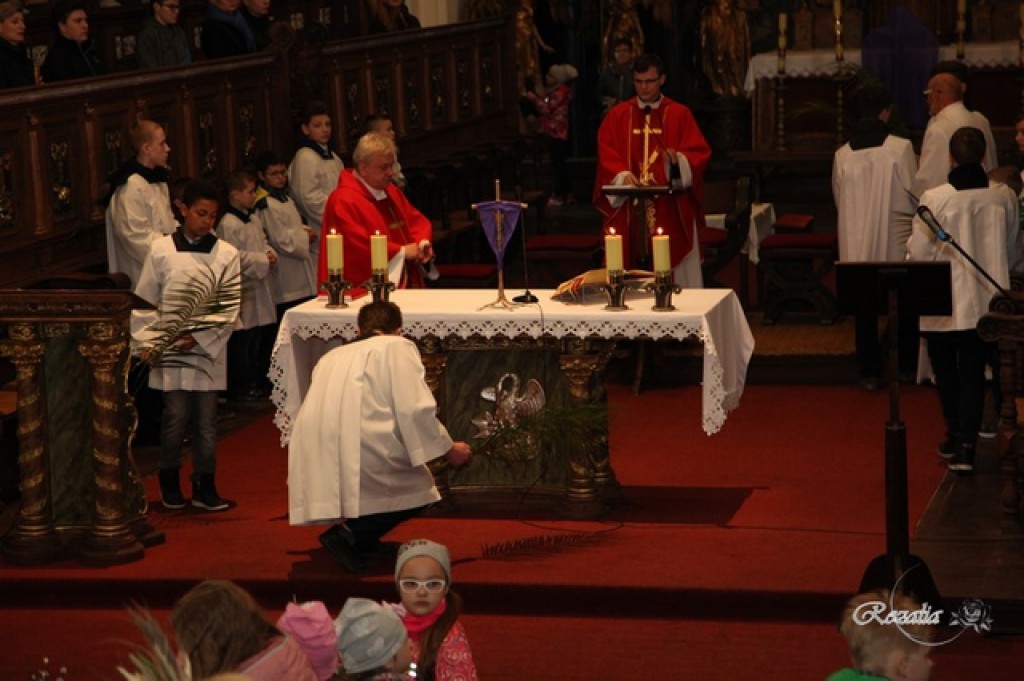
181,407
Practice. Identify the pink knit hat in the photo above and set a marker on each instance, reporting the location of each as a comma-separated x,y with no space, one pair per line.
313,629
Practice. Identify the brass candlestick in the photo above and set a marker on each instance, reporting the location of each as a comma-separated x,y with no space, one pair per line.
380,286
336,287
616,290
663,287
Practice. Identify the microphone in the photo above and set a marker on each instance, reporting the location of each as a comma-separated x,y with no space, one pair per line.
647,111
928,218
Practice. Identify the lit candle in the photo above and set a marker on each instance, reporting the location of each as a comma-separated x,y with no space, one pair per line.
662,259
378,253
335,253
613,252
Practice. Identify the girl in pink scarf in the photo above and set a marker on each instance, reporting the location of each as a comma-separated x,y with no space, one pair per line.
430,612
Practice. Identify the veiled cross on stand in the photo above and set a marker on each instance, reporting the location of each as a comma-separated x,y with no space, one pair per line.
500,240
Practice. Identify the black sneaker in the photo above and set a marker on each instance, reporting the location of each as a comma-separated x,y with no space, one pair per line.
947,448
341,543
204,494
988,430
963,461
170,489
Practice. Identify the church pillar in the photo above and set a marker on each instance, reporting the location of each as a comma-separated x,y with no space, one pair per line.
33,539
109,541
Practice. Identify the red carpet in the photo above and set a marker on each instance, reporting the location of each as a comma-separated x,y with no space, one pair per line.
760,531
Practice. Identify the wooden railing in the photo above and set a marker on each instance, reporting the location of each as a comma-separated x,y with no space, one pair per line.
449,89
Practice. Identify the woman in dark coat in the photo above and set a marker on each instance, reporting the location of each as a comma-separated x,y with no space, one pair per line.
15,65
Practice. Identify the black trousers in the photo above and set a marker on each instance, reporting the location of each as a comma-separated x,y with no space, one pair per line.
368,529
959,359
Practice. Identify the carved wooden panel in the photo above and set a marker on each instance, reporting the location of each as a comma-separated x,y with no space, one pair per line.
489,75
413,104
354,102
11,156
383,78
465,90
439,89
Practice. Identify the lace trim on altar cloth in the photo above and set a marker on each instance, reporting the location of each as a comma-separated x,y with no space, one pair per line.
716,404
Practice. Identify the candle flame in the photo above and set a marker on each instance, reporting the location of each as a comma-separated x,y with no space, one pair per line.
660,231
333,231
611,231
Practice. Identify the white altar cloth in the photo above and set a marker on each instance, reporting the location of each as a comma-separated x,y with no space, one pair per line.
714,316
805,63
762,220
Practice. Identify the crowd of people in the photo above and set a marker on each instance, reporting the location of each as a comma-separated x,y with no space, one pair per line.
219,630
894,206
232,28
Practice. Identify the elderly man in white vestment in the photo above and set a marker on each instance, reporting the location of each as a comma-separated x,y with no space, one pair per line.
362,440
983,220
945,96
872,178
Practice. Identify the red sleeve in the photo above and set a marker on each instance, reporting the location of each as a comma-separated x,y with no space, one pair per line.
612,137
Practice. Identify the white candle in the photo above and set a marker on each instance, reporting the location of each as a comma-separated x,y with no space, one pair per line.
335,253
613,252
378,253
662,257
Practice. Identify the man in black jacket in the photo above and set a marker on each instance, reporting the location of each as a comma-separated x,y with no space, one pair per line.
72,55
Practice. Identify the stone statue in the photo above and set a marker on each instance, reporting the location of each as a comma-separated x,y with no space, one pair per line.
621,22
725,44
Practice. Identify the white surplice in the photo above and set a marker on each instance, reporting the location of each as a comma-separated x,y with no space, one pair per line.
984,223
872,189
165,271
258,307
311,179
139,213
294,278
934,164
365,432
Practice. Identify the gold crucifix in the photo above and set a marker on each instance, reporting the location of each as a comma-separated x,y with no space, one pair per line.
646,176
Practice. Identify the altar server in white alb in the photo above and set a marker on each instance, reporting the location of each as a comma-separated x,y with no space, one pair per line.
362,440
139,211
982,219
945,94
315,169
294,278
872,177
175,266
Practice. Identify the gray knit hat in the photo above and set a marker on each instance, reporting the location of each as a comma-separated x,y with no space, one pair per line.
369,635
424,547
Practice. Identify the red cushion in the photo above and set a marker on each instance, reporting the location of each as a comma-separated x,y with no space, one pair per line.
812,240
794,222
467,270
564,242
712,237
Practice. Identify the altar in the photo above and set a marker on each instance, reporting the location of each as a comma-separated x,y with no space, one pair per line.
475,356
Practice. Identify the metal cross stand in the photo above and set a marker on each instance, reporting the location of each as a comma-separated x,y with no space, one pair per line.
499,240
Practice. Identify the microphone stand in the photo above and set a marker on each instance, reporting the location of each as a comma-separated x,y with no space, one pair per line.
525,296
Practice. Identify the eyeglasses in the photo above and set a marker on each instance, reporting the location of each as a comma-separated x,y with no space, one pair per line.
432,586
173,8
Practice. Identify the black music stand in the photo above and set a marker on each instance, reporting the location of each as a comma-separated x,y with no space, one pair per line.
895,289
640,238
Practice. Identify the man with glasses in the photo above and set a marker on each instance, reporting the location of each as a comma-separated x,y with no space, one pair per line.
945,95
362,440
650,140
162,41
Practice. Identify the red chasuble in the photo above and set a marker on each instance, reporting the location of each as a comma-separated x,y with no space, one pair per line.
353,212
621,148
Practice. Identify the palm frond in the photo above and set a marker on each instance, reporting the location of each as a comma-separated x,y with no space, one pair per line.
562,434
206,302
154,660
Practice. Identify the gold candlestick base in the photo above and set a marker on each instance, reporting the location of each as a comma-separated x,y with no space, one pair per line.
616,290
336,287
380,287
663,288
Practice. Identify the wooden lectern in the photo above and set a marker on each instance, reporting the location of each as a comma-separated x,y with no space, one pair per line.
81,493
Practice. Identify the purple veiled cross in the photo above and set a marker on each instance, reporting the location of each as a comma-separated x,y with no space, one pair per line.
489,212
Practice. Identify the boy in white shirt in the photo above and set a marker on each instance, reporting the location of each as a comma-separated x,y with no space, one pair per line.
250,346
315,169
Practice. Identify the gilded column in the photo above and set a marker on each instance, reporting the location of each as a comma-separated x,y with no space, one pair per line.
110,541
583,499
34,538
434,363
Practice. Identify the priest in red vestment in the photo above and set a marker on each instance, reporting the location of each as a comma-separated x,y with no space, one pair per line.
367,202
677,156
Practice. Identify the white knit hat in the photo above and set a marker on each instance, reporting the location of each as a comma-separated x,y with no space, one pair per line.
369,635
563,73
424,547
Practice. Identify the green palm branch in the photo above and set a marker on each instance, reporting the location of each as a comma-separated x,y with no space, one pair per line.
153,660
207,302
